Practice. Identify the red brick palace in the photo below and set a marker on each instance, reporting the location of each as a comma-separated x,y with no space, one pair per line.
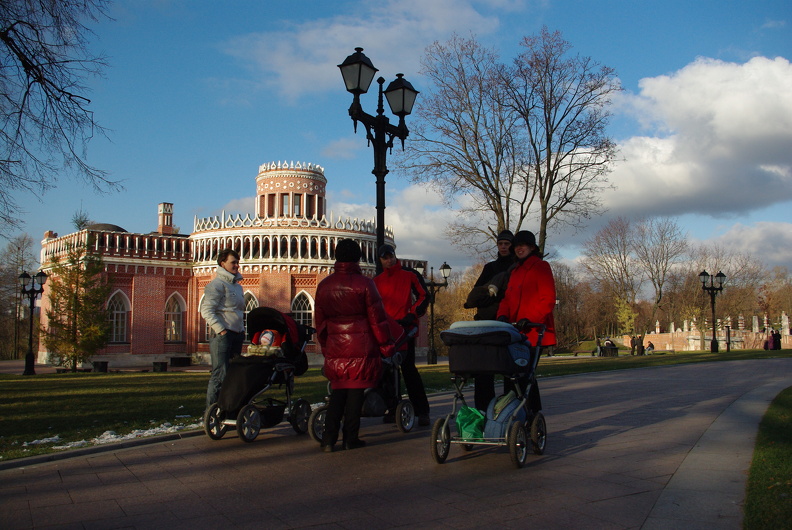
286,248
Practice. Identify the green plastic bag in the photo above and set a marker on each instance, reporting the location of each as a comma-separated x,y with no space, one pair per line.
470,423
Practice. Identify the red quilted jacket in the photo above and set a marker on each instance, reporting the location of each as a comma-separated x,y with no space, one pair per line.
352,328
531,294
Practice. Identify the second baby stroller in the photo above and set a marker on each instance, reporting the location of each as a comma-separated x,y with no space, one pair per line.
274,357
385,397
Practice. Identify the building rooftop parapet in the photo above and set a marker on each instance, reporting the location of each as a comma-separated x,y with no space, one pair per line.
143,246
286,166
223,222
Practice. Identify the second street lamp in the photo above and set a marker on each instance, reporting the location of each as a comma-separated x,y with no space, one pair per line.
433,287
358,72
31,287
715,286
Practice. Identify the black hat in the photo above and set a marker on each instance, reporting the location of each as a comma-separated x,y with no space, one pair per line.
524,237
348,250
505,235
386,249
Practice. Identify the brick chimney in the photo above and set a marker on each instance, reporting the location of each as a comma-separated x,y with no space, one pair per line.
165,218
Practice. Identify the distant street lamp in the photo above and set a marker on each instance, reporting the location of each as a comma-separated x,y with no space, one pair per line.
31,287
358,71
715,286
445,271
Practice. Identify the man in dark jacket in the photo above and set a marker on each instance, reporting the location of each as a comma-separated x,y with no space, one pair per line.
404,294
485,296
353,331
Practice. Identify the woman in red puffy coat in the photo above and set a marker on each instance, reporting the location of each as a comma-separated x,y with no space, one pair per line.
530,293
354,334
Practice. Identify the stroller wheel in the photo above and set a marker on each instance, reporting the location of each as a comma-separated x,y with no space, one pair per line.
405,415
213,422
248,423
538,433
518,444
316,423
300,414
441,440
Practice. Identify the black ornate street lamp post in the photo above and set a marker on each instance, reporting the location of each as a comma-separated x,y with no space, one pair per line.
358,72
31,287
715,286
433,287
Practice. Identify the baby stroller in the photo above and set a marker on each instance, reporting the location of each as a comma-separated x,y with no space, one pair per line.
492,347
385,397
274,360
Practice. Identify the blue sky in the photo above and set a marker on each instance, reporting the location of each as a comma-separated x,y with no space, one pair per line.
199,93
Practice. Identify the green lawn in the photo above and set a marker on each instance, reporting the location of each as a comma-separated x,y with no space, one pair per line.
769,491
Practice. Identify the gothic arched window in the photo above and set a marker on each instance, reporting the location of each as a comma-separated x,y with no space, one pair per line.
118,315
302,309
174,320
250,304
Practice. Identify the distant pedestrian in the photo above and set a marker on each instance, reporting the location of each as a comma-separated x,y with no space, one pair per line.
632,345
639,345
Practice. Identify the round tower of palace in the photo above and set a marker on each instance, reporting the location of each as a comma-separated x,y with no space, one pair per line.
286,247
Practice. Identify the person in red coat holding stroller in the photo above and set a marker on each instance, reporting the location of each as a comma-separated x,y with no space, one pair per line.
353,331
530,294
530,298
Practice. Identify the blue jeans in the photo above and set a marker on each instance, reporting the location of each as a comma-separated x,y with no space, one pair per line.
222,348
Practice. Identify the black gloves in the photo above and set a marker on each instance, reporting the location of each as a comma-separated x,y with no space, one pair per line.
522,323
408,320
503,319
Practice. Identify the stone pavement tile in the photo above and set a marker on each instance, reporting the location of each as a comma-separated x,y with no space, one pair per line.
166,488
144,520
701,506
142,504
79,480
627,512
570,519
74,513
39,498
106,492
18,517
727,481
656,523
116,476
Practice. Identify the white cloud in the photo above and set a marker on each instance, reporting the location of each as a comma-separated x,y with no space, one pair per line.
301,58
343,148
770,242
723,132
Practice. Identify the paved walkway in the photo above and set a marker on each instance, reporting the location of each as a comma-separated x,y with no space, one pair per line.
646,448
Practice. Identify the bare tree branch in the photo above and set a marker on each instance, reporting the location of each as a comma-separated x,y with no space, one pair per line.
45,115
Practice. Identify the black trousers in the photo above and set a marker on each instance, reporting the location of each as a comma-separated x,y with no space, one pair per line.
483,390
413,381
347,404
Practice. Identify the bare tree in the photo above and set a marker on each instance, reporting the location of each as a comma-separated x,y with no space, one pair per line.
609,258
462,142
46,120
660,244
19,258
563,103
512,144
